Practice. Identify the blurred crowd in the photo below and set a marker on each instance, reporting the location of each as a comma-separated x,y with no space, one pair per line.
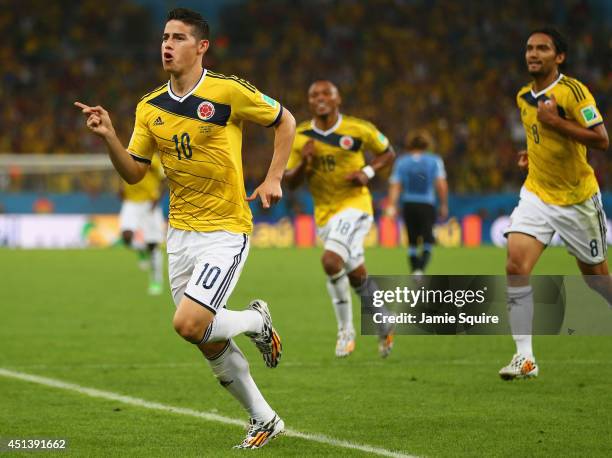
451,67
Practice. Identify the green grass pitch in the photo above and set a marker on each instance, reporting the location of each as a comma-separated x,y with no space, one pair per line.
83,317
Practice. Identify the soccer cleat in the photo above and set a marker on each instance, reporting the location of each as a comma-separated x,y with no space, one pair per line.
155,288
260,433
385,344
267,341
519,367
345,343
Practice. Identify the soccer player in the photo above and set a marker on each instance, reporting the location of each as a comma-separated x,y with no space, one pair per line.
195,123
418,175
328,152
140,210
560,193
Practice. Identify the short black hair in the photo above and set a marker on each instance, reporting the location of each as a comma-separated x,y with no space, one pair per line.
558,40
192,18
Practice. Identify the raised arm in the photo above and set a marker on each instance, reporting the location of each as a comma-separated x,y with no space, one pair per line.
99,122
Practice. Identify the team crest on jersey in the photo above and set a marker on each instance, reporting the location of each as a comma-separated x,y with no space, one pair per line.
346,142
206,110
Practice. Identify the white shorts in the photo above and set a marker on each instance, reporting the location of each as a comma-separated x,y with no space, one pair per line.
582,227
140,215
344,234
205,266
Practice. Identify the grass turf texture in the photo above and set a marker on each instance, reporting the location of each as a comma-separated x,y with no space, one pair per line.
84,317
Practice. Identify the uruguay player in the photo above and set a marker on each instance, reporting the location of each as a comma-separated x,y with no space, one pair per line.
416,178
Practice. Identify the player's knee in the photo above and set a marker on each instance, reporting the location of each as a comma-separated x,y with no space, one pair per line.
516,266
332,263
357,277
127,237
189,329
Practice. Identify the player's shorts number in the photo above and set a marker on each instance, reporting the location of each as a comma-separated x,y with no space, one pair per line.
536,134
594,248
343,227
185,145
209,276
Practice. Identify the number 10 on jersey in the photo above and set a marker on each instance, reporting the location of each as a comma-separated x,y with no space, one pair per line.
184,147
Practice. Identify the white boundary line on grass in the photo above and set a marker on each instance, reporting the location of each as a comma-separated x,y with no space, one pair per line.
95,393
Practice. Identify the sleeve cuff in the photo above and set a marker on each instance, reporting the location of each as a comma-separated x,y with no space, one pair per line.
139,159
278,117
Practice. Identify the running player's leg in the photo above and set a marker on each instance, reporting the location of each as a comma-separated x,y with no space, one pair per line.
583,228
153,228
195,315
429,218
130,218
363,285
528,235
216,259
334,256
411,224
598,278
340,294
523,253
338,236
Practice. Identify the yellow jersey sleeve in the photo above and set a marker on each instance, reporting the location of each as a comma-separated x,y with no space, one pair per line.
249,104
142,143
583,107
374,140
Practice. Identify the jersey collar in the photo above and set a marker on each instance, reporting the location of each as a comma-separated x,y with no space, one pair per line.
543,91
328,131
173,96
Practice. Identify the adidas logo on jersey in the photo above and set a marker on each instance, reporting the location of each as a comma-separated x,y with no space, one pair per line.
158,121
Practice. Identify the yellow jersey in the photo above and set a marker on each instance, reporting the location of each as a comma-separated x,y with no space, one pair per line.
149,188
199,140
338,152
559,173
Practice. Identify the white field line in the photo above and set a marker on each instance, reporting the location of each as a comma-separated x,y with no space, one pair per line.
209,416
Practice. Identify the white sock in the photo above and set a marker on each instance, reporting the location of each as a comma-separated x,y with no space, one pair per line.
229,323
232,370
340,292
520,311
157,265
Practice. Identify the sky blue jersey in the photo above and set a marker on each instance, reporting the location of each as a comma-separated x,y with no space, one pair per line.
417,173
